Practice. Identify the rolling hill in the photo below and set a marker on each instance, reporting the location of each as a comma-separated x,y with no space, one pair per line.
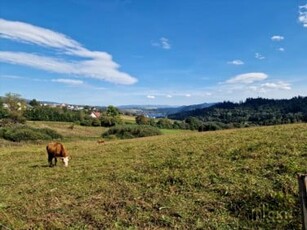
255,111
230,179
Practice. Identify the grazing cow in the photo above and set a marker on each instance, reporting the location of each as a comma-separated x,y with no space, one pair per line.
55,150
100,141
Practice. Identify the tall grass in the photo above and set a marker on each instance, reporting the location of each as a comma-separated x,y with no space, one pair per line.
232,179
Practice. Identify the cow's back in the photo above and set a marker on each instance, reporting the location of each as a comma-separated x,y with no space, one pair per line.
56,149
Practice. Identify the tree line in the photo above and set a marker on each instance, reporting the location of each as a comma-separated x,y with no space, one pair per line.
252,112
17,110
14,109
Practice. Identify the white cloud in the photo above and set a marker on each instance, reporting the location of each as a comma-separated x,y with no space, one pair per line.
259,56
28,33
278,85
169,96
68,81
302,18
256,89
236,62
188,95
151,96
96,64
277,38
270,87
247,78
11,77
281,49
163,43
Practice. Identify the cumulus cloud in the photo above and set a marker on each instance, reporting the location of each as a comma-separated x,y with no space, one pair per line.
259,56
68,81
281,49
247,78
236,62
302,18
94,64
277,38
163,43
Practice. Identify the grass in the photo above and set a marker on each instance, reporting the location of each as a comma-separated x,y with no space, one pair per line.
231,179
128,119
69,130
175,131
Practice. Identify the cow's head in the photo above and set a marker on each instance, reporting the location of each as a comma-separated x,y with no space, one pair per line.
65,161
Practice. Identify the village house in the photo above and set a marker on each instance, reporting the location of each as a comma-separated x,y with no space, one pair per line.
95,114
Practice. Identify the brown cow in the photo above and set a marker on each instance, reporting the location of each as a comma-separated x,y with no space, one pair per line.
55,150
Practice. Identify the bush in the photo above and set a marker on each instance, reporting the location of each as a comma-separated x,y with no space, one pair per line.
164,123
210,126
108,121
132,131
50,132
96,122
2,131
25,133
86,122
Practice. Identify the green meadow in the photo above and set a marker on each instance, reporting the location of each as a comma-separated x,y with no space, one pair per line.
230,179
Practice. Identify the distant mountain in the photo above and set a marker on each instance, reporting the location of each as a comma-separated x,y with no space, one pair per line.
194,107
161,110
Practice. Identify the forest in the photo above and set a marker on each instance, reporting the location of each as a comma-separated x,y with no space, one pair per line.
251,112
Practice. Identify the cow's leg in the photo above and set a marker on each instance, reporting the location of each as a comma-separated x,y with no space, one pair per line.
55,161
50,157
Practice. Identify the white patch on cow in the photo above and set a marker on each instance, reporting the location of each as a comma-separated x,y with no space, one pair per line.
65,161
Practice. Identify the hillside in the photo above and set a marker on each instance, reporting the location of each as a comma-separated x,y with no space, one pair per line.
231,179
254,111
161,110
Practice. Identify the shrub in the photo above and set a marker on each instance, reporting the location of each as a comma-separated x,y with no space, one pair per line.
131,131
164,123
210,126
109,121
50,132
193,123
25,133
96,122
86,122
2,131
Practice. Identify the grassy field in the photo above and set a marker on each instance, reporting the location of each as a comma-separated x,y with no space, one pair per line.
69,130
232,179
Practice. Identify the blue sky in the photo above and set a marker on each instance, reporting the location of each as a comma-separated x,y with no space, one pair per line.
175,52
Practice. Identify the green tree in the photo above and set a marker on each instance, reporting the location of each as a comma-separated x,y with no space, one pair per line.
15,103
3,110
112,111
16,107
111,117
193,123
34,103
